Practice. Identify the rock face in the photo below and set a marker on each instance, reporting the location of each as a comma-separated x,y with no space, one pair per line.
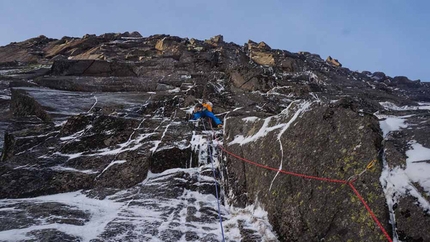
104,119
339,145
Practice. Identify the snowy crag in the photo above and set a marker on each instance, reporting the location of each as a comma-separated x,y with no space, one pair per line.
96,144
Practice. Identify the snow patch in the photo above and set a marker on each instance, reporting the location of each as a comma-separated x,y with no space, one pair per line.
186,77
175,90
418,165
250,119
253,215
394,107
392,123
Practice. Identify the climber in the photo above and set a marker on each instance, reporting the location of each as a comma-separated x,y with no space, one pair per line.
205,110
207,105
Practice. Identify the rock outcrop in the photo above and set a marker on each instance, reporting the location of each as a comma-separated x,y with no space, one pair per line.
334,62
109,115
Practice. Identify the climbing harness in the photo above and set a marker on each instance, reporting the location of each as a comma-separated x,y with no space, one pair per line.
350,182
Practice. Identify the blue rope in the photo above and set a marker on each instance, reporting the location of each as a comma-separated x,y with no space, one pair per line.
216,185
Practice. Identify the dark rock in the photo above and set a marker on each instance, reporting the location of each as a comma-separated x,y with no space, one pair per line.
407,228
379,75
91,68
168,159
24,105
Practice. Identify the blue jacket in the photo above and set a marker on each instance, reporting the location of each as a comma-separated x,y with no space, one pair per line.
205,113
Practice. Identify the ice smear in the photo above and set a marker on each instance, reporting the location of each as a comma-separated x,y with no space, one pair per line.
399,181
266,128
253,215
199,145
141,210
102,212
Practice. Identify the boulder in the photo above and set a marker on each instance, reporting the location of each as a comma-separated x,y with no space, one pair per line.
216,40
334,62
251,44
379,75
23,105
167,43
263,46
133,34
263,58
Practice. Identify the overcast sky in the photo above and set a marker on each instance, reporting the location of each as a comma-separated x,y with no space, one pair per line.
392,36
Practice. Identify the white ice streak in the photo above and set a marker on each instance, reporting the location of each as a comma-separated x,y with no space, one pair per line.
95,103
70,156
250,119
115,162
302,108
5,97
394,107
174,90
263,131
10,71
63,168
75,135
265,128
199,145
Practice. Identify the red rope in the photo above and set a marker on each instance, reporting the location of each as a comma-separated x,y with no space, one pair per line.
283,171
320,179
370,212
